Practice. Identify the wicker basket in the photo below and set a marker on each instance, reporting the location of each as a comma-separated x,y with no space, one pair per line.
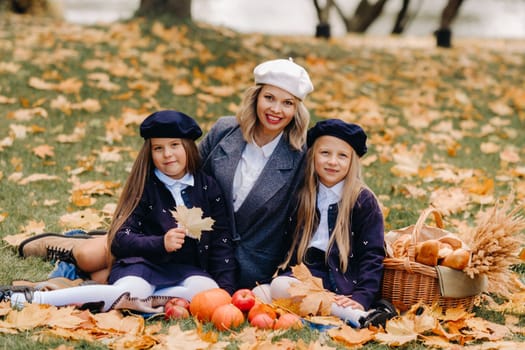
406,282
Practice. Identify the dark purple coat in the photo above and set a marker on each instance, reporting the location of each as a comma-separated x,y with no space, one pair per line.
362,279
139,244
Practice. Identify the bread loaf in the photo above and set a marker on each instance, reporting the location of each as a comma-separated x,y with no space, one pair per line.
427,252
454,242
444,250
458,259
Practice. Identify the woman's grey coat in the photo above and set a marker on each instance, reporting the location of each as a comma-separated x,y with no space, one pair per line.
259,225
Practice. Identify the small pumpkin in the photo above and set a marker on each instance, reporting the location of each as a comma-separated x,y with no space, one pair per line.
204,303
226,317
288,320
262,321
261,308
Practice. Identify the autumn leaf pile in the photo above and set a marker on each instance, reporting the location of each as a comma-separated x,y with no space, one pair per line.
445,129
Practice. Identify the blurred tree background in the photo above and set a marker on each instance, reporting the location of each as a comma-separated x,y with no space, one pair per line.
356,21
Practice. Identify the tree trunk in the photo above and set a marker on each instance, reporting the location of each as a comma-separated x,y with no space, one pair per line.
401,19
444,32
180,9
365,14
21,6
323,12
449,13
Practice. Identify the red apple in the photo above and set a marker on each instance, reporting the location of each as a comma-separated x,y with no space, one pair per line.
176,308
263,321
244,299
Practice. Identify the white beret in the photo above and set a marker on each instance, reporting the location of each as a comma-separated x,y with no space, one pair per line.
284,74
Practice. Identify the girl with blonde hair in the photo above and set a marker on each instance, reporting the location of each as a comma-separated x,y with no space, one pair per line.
339,230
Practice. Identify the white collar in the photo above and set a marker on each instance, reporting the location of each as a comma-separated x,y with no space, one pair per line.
186,180
333,193
268,149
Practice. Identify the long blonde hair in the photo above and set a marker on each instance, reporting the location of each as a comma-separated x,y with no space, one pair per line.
134,186
247,119
307,218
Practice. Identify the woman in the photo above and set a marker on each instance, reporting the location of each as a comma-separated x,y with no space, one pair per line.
257,157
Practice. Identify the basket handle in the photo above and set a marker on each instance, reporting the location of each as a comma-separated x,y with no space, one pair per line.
421,221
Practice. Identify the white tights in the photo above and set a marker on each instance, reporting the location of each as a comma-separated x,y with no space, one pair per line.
109,293
278,289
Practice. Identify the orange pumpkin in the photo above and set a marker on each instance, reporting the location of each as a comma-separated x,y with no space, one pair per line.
204,303
261,308
288,320
227,316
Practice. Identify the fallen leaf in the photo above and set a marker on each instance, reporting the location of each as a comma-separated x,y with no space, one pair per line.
350,336
315,300
178,339
44,151
399,331
192,220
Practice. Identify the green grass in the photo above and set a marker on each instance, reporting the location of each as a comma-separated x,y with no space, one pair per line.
393,73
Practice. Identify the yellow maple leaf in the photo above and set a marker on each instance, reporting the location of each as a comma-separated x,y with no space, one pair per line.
63,317
398,332
183,88
88,219
314,298
37,177
351,337
484,329
114,321
221,91
192,220
134,342
16,239
44,151
183,340
30,317
5,308
34,227
71,334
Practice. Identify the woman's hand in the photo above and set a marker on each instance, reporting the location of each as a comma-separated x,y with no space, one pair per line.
345,301
174,239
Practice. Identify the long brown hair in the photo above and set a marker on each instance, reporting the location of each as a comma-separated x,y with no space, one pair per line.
307,220
295,132
134,187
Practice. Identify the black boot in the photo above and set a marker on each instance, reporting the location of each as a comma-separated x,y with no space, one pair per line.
7,291
383,311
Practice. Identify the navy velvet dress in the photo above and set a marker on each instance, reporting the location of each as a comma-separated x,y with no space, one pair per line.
138,246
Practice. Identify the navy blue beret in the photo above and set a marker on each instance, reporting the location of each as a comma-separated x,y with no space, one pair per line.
170,124
353,134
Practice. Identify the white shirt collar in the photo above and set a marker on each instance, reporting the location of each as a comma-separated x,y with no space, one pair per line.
330,194
268,149
186,180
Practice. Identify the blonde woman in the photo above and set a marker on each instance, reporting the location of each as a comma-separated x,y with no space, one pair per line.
257,158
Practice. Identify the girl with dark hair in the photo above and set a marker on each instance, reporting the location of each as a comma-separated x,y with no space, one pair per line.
150,252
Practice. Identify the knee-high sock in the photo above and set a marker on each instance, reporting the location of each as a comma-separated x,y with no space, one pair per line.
279,289
263,292
108,293
188,288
